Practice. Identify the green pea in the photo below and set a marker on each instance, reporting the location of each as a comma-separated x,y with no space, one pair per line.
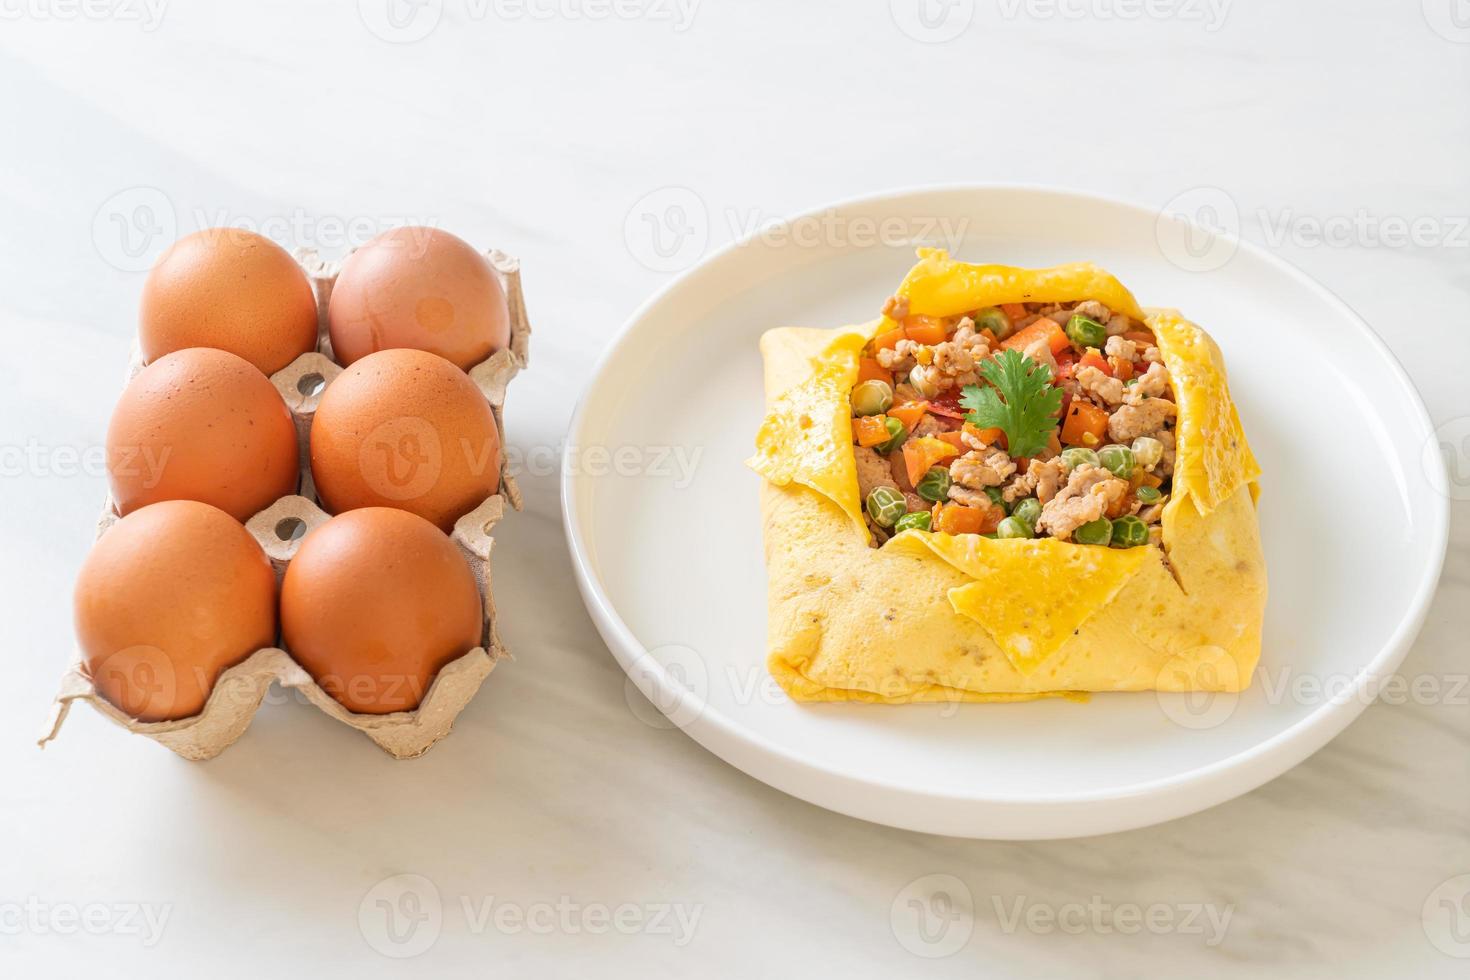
1086,332
1014,527
1129,532
1148,495
916,521
872,397
886,505
1075,456
934,485
1099,531
995,319
1119,459
897,435
1028,510
997,498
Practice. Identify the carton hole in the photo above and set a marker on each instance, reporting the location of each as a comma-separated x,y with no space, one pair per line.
311,384
290,528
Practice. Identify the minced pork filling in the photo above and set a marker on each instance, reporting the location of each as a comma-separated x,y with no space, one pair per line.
1017,421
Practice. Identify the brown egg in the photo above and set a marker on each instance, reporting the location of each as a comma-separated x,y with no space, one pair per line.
201,424
169,597
231,289
421,288
375,602
405,429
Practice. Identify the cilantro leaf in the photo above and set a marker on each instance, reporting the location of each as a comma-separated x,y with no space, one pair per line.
1021,402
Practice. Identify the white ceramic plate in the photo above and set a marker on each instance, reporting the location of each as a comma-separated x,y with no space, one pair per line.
665,533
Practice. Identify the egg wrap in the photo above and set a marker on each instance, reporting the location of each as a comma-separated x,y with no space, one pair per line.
940,617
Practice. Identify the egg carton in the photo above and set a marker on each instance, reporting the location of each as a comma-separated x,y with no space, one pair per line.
281,528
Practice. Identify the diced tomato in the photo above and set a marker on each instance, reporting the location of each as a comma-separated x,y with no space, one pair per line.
928,330
870,370
1065,358
870,431
1056,338
1016,311
909,413
1084,425
947,403
1093,359
921,453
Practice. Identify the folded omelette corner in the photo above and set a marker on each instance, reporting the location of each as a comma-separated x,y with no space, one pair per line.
938,617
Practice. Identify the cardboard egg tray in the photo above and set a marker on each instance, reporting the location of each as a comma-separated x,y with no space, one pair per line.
280,528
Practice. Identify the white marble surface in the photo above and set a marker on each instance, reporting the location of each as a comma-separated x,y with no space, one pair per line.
538,126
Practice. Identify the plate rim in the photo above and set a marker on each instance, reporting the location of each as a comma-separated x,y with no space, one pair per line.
1306,736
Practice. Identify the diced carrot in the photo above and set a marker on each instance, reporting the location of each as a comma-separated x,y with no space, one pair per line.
1120,506
921,453
889,340
1056,338
1085,425
870,370
989,336
870,431
1149,480
1122,368
928,330
995,437
953,438
1016,311
958,519
1141,337
1093,359
909,413
899,470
